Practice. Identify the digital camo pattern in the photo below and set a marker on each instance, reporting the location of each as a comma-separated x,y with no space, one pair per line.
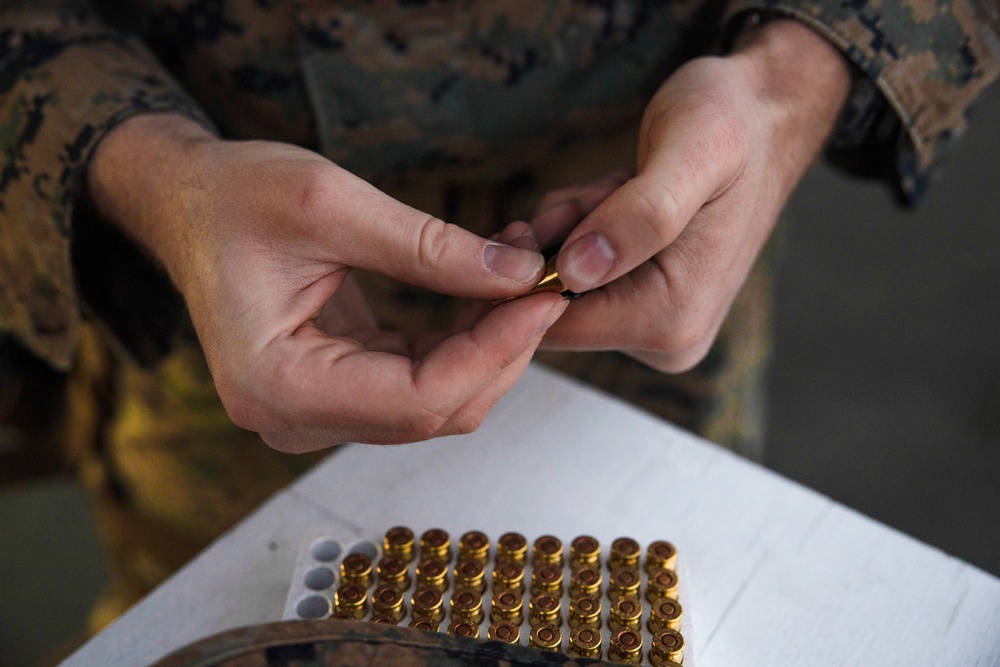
929,59
339,643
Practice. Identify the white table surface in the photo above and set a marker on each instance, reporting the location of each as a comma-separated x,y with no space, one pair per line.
776,574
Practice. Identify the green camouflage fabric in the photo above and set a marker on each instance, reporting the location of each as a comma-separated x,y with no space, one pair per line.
469,110
339,643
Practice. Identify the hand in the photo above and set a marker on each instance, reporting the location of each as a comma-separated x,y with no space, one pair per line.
260,237
722,144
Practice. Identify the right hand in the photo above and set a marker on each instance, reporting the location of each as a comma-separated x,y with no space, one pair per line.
260,237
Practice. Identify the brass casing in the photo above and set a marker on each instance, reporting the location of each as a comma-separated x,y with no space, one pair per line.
507,605
474,545
508,575
667,644
585,550
463,628
585,641
662,584
585,610
547,549
626,646
428,602
351,598
468,605
544,608
625,612
505,631
586,580
623,580
547,637
432,572
399,542
385,619
393,571
624,551
356,568
388,601
435,543
547,578
470,574
665,613
660,555
425,623
513,548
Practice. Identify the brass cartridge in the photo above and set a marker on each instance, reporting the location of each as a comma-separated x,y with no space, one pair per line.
505,631
624,551
463,628
351,598
388,601
425,623
428,602
660,555
623,580
433,573
470,574
545,636
508,575
667,645
474,545
435,543
586,581
547,549
512,548
385,619
626,646
399,542
585,641
393,571
585,550
468,605
662,584
625,612
547,578
666,613
584,610
545,608
357,569
507,605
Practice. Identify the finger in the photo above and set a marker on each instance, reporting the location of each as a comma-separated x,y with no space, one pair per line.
561,210
329,384
378,233
690,164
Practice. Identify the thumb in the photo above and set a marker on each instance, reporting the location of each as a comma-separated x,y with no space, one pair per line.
681,171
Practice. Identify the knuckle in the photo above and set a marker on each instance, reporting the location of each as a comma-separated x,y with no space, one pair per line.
432,242
315,195
426,423
657,210
467,423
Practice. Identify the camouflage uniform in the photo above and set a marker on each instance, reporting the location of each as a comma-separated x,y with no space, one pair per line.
465,109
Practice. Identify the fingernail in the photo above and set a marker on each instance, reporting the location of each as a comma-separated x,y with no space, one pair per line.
515,264
586,261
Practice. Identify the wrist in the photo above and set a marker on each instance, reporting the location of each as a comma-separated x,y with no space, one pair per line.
137,177
799,75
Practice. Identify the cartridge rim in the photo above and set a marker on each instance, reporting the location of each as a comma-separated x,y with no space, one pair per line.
547,549
474,544
512,546
660,554
463,628
504,631
585,550
624,551
545,636
668,644
666,612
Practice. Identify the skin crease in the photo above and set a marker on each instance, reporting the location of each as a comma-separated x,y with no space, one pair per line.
260,238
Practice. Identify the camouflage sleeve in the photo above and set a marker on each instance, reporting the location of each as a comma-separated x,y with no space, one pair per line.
919,64
65,80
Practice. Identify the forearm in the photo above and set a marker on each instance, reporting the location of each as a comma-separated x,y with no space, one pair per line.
138,178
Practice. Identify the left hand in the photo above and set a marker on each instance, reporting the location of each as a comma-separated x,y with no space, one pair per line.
721,147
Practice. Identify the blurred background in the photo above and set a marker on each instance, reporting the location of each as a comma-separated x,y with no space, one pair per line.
885,389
